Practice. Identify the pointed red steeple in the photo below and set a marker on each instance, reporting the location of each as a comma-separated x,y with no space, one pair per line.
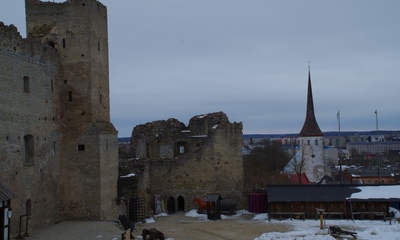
310,127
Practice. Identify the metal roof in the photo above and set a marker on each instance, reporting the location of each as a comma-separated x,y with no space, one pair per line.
5,193
329,193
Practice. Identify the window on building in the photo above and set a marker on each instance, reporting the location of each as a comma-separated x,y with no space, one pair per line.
26,84
81,147
63,42
151,150
308,142
316,142
180,148
29,149
28,208
69,96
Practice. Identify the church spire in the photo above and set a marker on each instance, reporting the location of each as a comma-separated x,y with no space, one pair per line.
310,127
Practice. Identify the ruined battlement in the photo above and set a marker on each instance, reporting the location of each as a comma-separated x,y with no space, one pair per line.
30,51
38,6
168,140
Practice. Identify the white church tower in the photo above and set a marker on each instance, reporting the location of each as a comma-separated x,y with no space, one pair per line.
309,158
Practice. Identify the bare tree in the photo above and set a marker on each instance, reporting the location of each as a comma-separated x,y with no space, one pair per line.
264,165
297,164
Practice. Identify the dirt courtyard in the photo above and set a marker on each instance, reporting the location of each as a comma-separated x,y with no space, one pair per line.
174,226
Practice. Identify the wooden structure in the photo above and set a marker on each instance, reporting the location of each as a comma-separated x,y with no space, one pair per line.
257,202
5,211
213,203
338,201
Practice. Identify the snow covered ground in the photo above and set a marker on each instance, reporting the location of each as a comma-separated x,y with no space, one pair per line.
310,229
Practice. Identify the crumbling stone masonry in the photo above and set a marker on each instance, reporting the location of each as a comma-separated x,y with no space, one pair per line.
58,148
185,162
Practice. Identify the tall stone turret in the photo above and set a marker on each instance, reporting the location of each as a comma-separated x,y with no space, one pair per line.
77,29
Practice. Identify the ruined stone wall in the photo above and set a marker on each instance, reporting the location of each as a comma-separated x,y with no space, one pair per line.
28,79
211,161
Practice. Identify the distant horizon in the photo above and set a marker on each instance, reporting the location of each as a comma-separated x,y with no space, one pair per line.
342,132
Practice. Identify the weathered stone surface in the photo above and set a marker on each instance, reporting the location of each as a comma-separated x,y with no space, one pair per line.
189,162
58,149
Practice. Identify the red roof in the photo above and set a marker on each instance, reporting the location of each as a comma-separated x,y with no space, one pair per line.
304,179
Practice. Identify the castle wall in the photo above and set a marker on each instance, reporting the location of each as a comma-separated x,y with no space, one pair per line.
210,161
58,149
28,85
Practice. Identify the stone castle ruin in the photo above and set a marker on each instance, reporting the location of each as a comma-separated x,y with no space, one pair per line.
183,162
58,148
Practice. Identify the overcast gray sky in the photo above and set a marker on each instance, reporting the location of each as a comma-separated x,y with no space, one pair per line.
249,59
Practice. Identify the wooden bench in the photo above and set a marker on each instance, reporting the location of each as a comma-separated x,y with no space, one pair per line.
329,214
289,214
372,215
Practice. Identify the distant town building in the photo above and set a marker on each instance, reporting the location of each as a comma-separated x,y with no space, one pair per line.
373,147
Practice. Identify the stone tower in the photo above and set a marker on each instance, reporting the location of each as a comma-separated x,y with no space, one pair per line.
311,148
77,29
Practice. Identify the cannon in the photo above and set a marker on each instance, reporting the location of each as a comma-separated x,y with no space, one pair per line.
336,231
228,205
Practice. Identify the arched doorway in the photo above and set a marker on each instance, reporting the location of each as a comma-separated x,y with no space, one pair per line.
171,205
181,203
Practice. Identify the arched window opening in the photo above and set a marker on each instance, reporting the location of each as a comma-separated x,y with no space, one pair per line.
151,151
28,208
26,84
69,96
29,149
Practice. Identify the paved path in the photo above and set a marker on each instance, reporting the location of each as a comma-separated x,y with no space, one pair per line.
175,227
77,230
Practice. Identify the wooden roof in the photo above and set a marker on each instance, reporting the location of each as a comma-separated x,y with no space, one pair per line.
6,193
